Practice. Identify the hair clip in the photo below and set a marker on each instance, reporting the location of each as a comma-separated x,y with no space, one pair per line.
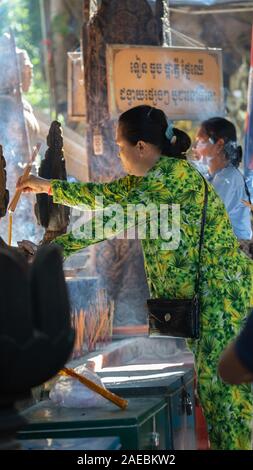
149,112
230,148
233,144
169,134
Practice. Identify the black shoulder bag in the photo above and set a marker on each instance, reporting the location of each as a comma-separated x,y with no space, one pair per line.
179,317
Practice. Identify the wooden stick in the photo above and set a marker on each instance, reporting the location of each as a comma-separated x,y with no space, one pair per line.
120,402
15,199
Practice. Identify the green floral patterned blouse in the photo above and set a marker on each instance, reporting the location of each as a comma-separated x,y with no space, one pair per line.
226,276
170,181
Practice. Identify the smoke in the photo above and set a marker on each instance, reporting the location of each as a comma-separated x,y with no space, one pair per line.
24,221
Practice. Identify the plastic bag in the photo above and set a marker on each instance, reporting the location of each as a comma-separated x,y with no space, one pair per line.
70,393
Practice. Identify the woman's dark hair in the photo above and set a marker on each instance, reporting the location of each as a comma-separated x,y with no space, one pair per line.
220,128
150,124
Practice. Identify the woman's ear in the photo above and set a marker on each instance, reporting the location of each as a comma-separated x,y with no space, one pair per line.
220,142
141,146
219,147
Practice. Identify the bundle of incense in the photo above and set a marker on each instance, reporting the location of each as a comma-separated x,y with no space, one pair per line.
120,402
15,199
78,323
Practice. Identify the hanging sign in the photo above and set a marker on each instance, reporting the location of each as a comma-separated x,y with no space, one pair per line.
76,95
185,82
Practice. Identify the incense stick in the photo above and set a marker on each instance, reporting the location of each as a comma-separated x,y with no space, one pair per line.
120,402
10,229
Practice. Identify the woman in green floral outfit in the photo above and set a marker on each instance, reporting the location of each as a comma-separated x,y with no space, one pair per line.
143,135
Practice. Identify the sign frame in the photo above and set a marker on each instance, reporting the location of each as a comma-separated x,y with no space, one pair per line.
77,107
213,54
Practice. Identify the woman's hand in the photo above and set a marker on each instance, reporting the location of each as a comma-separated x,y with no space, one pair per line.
25,247
33,184
29,249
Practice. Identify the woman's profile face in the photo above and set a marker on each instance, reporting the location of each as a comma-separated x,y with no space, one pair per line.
204,147
128,154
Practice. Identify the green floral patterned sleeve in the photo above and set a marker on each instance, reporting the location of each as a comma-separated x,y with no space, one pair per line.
70,243
82,195
88,196
153,188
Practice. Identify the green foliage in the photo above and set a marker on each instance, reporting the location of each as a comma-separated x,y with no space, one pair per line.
23,17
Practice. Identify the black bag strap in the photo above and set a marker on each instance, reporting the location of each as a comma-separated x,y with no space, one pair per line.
201,239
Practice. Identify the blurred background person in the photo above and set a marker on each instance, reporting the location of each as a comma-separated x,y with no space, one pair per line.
218,157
